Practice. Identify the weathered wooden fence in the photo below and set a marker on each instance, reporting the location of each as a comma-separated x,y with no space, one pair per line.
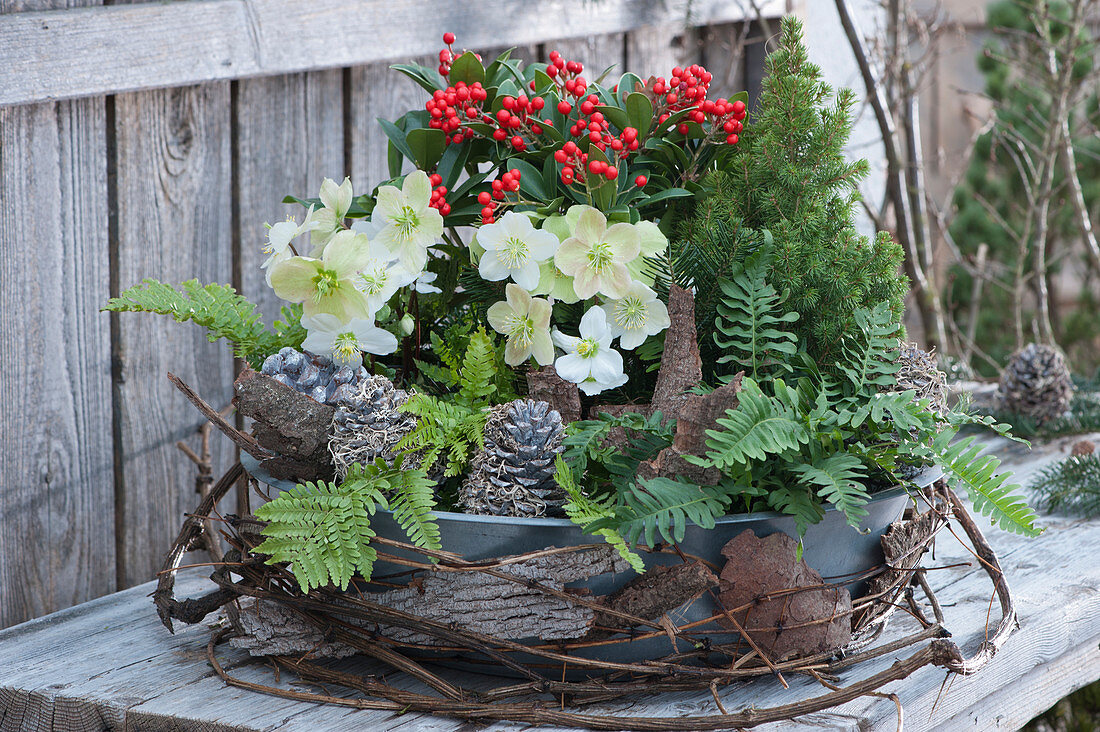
154,140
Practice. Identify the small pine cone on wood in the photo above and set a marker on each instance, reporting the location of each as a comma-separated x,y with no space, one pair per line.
369,424
1037,383
513,475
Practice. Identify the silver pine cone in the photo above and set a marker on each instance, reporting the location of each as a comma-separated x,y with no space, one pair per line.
514,474
1036,383
369,424
919,371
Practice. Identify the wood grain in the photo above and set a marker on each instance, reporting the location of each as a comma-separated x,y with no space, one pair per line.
378,91
289,136
56,501
174,223
71,53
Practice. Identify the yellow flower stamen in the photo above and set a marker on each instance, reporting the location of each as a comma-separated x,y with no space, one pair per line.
588,347
631,313
345,348
521,329
327,282
600,256
514,252
407,222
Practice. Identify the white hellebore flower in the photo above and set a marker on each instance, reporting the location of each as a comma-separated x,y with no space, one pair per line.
345,343
525,321
590,361
514,248
381,276
636,316
328,284
408,224
336,200
424,285
596,255
279,237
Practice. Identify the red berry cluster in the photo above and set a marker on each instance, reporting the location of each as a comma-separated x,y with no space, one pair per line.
518,118
726,116
507,183
448,55
567,79
685,88
445,104
439,195
576,166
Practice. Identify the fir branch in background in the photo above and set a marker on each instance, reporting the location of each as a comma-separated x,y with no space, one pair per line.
220,310
1071,485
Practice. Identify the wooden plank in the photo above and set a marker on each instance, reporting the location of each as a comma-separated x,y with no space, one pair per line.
174,223
57,544
656,50
596,52
376,91
69,53
290,136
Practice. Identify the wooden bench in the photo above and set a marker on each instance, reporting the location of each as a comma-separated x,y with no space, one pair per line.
110,664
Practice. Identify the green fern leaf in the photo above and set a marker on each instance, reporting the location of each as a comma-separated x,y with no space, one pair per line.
584,511
411,495
756,428
220,310
798,502
478,370
988,490
323,530
870,352
664,506
747,326
839,480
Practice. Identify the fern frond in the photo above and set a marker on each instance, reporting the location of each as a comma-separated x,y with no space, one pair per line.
664,506
323,530
219,309
476,377
756,428
411,496
838,479
870,353
747,325
797,501
583,511
988,490
443,428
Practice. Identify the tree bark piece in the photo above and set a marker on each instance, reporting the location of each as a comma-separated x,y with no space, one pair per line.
471,600
681,365
291,424
660,590
699,413
564,396
784,624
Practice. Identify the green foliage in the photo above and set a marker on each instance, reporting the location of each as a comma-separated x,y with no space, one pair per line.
585,511
747,328
323,529
990,492
1072,485
220,310
662,506
839,479
871,349
452,427
788,175
760,426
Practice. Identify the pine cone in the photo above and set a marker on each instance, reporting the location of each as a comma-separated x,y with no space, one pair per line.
514,474
1036,383
368,424
920,373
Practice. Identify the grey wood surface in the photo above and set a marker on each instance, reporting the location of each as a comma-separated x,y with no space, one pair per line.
289,136
174,223
109,662
56,475
124,48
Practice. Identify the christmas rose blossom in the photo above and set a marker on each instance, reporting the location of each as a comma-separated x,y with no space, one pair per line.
590,361
336,200
328,284
525,321
636,316
408,225
514,248
279,237
345,343
596,255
